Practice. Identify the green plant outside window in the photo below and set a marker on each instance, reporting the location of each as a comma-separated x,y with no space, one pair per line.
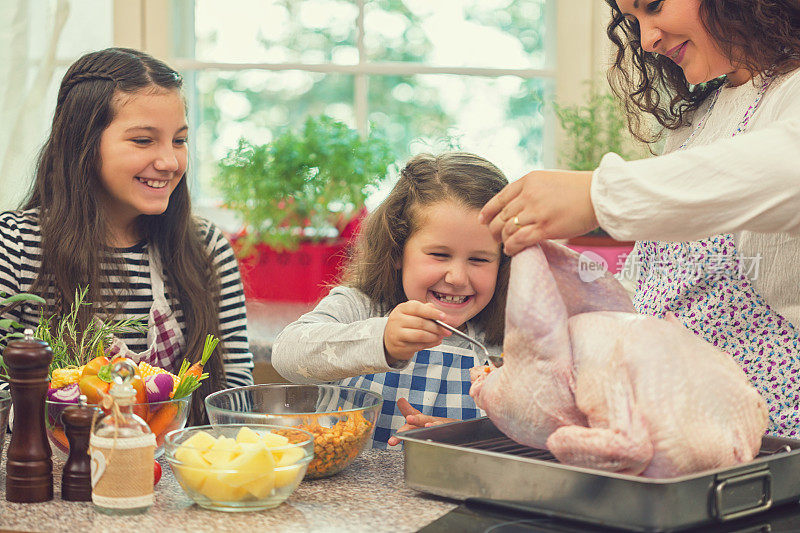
592,130
302,185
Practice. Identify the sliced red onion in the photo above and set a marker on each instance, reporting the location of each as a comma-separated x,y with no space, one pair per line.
158,387
68,394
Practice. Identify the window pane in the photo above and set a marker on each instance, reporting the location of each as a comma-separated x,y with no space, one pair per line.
257,104
497,117
464,33
500,119
29,31
276,31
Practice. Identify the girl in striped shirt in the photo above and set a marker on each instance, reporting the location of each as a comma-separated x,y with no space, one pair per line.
110,210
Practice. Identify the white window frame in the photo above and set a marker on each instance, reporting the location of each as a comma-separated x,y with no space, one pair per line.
581,54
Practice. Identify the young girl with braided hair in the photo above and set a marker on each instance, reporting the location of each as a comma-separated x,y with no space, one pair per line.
110,210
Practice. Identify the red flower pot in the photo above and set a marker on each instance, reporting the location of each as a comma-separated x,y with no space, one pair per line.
301,275
613,252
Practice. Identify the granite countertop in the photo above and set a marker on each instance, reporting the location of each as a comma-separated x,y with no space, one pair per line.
370,495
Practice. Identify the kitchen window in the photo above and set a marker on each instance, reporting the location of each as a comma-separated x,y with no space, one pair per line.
39,39
470,74
474,74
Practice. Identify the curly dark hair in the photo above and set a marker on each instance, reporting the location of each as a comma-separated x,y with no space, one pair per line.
762,36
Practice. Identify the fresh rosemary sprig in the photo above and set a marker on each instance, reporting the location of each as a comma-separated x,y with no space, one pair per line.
73,348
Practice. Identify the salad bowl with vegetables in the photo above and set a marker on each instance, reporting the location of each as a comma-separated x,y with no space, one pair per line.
82,366
162,398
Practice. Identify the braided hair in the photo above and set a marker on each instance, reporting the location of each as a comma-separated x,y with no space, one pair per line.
461,177
74,230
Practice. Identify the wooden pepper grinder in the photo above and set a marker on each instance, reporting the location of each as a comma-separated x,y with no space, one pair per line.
76,479
29,464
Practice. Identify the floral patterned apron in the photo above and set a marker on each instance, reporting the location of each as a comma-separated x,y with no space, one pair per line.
706,284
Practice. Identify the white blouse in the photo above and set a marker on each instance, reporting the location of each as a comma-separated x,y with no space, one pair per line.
748,185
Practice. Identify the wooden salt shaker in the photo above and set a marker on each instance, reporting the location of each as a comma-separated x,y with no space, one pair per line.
76,479
29,464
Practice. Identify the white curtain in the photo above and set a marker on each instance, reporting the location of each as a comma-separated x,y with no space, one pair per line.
26,74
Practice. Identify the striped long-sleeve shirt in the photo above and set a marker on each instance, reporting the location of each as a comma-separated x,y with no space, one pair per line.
20,255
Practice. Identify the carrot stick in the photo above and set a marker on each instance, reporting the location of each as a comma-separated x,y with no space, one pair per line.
208,348
189,378
160,422
60,439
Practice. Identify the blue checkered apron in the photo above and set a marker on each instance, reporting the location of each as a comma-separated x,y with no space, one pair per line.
436,382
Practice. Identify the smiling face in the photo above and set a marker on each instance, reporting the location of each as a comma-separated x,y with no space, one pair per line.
451,261
143,156
673,28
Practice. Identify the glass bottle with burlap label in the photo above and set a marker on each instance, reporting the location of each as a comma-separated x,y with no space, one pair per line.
122,450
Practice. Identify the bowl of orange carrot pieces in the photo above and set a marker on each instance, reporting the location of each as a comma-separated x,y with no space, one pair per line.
162,398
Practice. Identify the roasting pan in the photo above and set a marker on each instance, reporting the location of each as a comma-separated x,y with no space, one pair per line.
474,460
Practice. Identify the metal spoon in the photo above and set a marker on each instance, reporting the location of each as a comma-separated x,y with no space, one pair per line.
495,359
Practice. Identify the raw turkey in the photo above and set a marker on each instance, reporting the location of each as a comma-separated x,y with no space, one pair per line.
603,387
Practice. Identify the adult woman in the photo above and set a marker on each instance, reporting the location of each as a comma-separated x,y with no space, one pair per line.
716,217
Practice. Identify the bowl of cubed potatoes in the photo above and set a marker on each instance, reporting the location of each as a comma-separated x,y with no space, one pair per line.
237,467
342,419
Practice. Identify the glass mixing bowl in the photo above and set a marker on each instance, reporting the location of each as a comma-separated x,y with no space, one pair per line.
162,417
236,467
342,419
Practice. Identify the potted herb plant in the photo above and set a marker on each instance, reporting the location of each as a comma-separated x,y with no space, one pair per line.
301,198
591,130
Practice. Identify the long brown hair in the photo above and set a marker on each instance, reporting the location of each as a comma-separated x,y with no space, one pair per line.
73,225
426,179
761,36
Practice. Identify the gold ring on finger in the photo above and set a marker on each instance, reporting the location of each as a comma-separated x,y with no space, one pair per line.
516,221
